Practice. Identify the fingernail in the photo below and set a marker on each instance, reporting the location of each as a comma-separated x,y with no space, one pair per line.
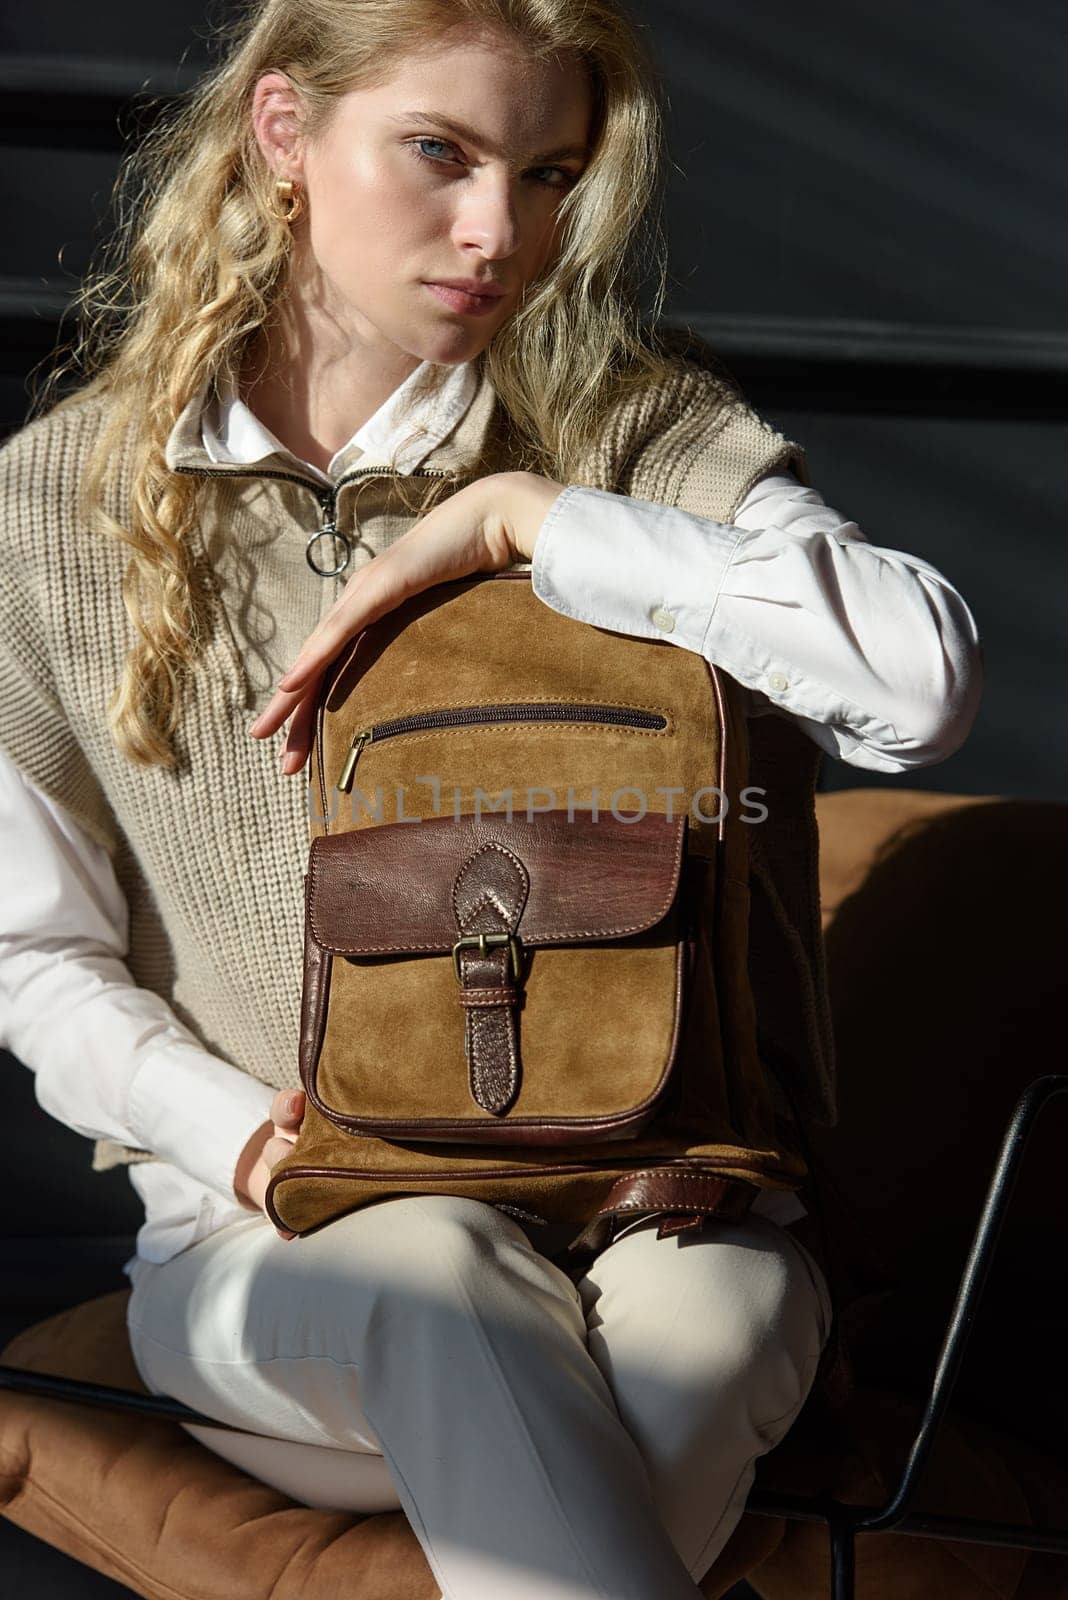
290,762
293,1103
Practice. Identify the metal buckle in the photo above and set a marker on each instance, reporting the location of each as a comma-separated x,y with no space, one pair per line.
483,940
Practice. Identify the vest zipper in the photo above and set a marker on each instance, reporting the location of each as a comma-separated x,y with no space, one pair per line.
326,496
465,716
322,491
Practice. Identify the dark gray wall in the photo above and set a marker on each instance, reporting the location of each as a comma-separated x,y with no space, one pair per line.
903,162
866,213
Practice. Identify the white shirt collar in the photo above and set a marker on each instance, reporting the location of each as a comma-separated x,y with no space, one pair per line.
231,433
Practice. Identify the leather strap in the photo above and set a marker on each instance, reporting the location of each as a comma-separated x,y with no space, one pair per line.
489,895
686,1195
681,1223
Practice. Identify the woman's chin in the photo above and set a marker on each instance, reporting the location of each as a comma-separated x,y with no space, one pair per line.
450,346
451,343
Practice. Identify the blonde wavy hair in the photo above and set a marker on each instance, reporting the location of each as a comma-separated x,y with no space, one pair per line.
199,260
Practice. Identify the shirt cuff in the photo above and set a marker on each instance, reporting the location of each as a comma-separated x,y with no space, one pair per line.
197,1111
656,571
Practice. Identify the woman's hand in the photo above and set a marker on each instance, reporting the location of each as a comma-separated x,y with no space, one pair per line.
271,1141
490,524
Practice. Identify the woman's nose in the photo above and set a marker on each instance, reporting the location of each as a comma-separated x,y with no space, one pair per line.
489,218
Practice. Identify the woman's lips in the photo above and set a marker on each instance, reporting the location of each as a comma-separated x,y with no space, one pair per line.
473,305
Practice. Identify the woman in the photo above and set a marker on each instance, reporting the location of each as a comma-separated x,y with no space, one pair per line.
388,251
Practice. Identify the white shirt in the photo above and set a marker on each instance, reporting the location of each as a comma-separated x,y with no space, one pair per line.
872,651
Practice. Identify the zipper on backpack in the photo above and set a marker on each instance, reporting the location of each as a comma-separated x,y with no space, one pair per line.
465,716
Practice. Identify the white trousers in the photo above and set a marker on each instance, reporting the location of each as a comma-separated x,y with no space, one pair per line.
547,1439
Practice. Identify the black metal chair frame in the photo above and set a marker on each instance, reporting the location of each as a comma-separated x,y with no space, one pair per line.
844,1522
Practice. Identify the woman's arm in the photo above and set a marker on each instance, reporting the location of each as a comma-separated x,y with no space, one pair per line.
111,1060
871,650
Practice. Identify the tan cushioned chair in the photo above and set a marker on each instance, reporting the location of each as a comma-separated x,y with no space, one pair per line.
143,1502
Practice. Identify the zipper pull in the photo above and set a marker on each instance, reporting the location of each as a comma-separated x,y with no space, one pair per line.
329,530
364,736
328,512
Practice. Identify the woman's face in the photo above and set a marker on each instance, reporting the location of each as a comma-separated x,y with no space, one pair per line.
453,169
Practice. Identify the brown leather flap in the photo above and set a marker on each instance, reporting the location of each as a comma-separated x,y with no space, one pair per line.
388,889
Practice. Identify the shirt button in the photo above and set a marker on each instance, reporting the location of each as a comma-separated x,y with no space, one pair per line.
663,619
778,681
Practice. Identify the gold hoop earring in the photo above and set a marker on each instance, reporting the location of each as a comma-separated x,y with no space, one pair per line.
290,196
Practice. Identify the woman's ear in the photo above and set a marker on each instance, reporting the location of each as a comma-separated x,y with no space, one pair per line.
276,121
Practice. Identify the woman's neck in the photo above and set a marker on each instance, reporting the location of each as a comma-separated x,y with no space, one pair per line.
313,386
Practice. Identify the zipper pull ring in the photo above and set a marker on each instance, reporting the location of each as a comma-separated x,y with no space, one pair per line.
338,541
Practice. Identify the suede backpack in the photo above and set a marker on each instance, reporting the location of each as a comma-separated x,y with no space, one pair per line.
526,926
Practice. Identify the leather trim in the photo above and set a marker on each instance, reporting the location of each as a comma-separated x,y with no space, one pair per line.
387,889
315,1000
505,994
679,1190
721,711
670,1226
488,897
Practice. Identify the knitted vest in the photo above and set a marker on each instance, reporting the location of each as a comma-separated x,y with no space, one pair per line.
211,854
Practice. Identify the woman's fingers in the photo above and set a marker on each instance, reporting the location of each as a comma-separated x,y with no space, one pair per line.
275,713
273,1151
306,675
287,1108
302,728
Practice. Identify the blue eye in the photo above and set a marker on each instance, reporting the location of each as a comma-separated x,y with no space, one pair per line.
414,146
419,152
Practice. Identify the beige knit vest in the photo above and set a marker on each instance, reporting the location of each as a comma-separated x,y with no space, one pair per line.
211,855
